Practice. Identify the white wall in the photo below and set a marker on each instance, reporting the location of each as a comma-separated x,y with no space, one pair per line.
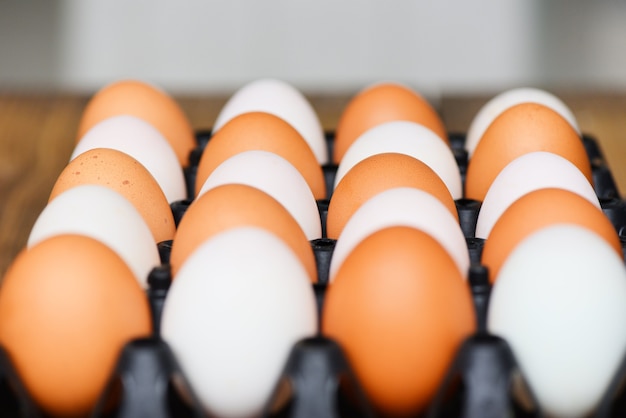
324,45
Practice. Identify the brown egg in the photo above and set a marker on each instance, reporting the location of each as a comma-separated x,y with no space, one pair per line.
400,308
380,103
67,306
521,129
265,132
122,173
376,174
233,205
539,209
136,98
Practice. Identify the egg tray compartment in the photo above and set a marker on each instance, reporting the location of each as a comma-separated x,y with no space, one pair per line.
478,383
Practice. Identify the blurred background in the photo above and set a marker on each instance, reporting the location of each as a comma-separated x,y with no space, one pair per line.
55,54
197,47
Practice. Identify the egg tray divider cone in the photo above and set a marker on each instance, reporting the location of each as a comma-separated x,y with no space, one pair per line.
477,385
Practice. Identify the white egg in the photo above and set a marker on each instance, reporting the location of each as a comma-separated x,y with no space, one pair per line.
237,306
283,100
100,213
275,176
408,138
494,107
402,206
560,302
143,142
532,171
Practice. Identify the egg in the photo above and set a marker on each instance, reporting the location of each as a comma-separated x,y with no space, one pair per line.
147,102
376,174
532,171
67,307
539,209
402,206
275,176
560,301
101,213
144,143
283,100
238,305
265,132
406,138
379,103
122,173
400,309
233,205
521,129
510,98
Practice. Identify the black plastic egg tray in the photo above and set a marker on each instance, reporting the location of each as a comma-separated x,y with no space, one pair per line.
478,384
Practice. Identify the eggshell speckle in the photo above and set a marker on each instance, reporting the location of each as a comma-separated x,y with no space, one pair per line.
125,175
144,143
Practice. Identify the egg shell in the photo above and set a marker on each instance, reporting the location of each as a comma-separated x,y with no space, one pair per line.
125,175
560,302
505,100
147,102
275,176
523,128
380,103
402,206
67,306
376,174
265,132
101,213
239,304
539,209
400,309
532,171
406,138
283,100
234,205
144,143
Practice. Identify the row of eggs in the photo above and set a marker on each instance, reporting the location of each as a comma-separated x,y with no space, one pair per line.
374,291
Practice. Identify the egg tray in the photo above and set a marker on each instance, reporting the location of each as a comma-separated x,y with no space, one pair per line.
477,385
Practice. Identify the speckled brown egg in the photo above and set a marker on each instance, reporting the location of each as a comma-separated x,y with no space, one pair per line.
125,175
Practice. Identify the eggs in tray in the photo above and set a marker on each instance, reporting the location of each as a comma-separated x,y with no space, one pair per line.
390,268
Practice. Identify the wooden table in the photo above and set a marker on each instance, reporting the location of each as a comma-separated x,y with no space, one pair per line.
37,134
